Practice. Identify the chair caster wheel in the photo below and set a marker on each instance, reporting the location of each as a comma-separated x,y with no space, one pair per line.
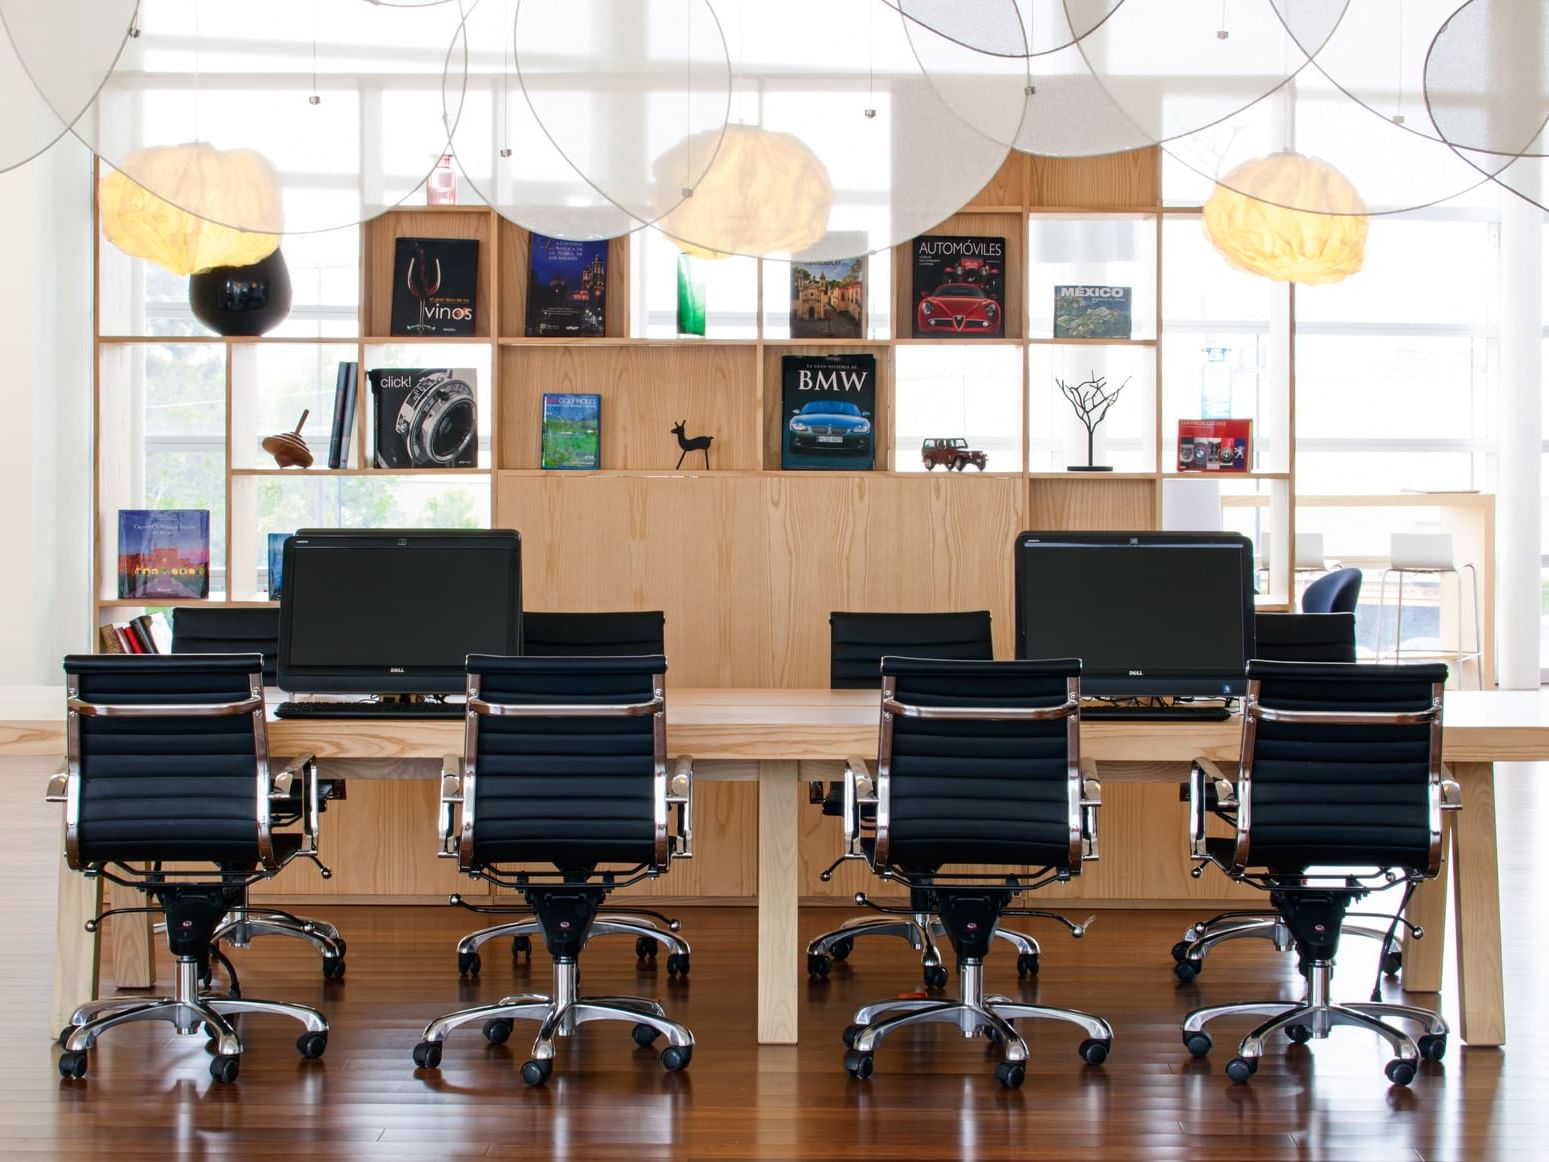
851,1032
1239,1069
469,963
1433,1046
841,949
497,1032
1198,1044
1399,1071
645,1034
1094,1050
1392,962
427,1055
312,1045
818,965
341,946
333,967
72,1066
1300,1034
859,1064
1181,951
537,1071
1027,965
991,1034
1187,969
675,1058
677,965
645,948
522,946
935,976
1011,1074
225,1068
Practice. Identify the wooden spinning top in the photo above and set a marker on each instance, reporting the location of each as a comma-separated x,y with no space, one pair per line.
288,448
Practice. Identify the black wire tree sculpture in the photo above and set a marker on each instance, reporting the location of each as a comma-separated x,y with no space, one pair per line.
1091,399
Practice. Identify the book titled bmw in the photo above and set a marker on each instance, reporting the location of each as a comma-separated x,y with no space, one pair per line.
828,411
959,286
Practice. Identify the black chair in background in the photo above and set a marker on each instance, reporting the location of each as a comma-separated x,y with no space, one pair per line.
1304,637
1339,793
977,763
628,633
857,642
168,764
1336,592
203,629
564,795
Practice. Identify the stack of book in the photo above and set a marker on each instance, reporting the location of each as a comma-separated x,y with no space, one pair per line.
146,634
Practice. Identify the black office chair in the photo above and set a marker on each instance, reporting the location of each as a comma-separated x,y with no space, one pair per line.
204,629
857,642
1335,592
628,633
168,764
977,763
1339,794
565,794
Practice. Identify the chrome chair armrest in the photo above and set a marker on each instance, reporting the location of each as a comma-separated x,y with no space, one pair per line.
860,789
680,793
283,788
58,786
1091,800
1451,794
1202,773
451,796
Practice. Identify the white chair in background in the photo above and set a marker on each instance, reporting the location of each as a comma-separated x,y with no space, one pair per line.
1430,554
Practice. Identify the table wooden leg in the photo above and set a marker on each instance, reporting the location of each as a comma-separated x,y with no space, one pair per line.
778,953
1477,902
1423,959
134,964
75,949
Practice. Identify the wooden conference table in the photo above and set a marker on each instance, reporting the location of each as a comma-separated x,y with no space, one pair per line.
763,734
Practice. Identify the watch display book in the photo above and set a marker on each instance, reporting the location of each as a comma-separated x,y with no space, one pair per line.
164,553
435,284
424,417
1215,445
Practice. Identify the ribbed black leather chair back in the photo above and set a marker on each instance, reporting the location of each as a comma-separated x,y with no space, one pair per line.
857,642
173,787
1336,592
980,790
1345,795
574,791
1304,637
622,634
202,629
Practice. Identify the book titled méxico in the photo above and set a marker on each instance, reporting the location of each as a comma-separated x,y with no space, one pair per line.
829,403
435,283
164,552
424,417
1091,312
567,286
959,286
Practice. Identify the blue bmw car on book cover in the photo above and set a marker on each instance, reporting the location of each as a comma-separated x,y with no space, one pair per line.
828,406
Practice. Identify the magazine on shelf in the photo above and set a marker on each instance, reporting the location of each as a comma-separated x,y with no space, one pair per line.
164,552
828,298
828,411
341,437
424,417
276,563
435,284
567,286
1215,445
959,286
1092,312
572,431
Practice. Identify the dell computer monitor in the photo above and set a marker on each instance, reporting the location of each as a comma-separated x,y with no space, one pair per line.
1148,613
396,611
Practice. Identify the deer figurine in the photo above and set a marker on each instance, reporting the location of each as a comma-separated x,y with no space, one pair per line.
691,444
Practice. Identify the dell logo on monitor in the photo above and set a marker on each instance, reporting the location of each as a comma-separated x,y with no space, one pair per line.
1137,673
395,669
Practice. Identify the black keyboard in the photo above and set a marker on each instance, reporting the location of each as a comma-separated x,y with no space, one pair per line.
314,709
1155,713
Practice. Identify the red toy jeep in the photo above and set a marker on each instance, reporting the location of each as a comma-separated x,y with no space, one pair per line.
952,451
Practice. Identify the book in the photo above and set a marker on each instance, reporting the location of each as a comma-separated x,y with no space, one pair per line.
827,408
275,556
424,417
435,285
691,296
572,432
155,632
164,552
1091,312
828,299
1215,445
567,287
959,286
341,437
107,638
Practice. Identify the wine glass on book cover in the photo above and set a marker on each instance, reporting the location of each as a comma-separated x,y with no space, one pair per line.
423,279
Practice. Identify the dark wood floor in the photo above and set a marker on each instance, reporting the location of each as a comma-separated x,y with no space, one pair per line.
149,1095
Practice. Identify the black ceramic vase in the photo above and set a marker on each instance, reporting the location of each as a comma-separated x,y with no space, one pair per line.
242,300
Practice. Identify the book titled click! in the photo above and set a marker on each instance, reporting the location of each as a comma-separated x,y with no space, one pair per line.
164,552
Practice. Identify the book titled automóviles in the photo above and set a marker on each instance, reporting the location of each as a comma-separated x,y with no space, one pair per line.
435,284
1215,445
571,430
828,405
828,299
567,287
164,552
959,286
1091,312
424,417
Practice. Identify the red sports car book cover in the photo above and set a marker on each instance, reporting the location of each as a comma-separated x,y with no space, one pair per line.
959,286
1215,445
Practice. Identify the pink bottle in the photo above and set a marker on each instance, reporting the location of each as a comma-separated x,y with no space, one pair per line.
441,186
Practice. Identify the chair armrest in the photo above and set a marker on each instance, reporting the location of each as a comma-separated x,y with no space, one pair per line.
1451,794
860,789
58,786
451,796
680,793
1091,800
1210,792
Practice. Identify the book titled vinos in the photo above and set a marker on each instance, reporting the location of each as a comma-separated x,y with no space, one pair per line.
572,430
435,286
164,552
828,408
1091,312
567,287
1215,445
959,286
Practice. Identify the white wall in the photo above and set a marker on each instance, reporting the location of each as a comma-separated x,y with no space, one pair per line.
45,413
